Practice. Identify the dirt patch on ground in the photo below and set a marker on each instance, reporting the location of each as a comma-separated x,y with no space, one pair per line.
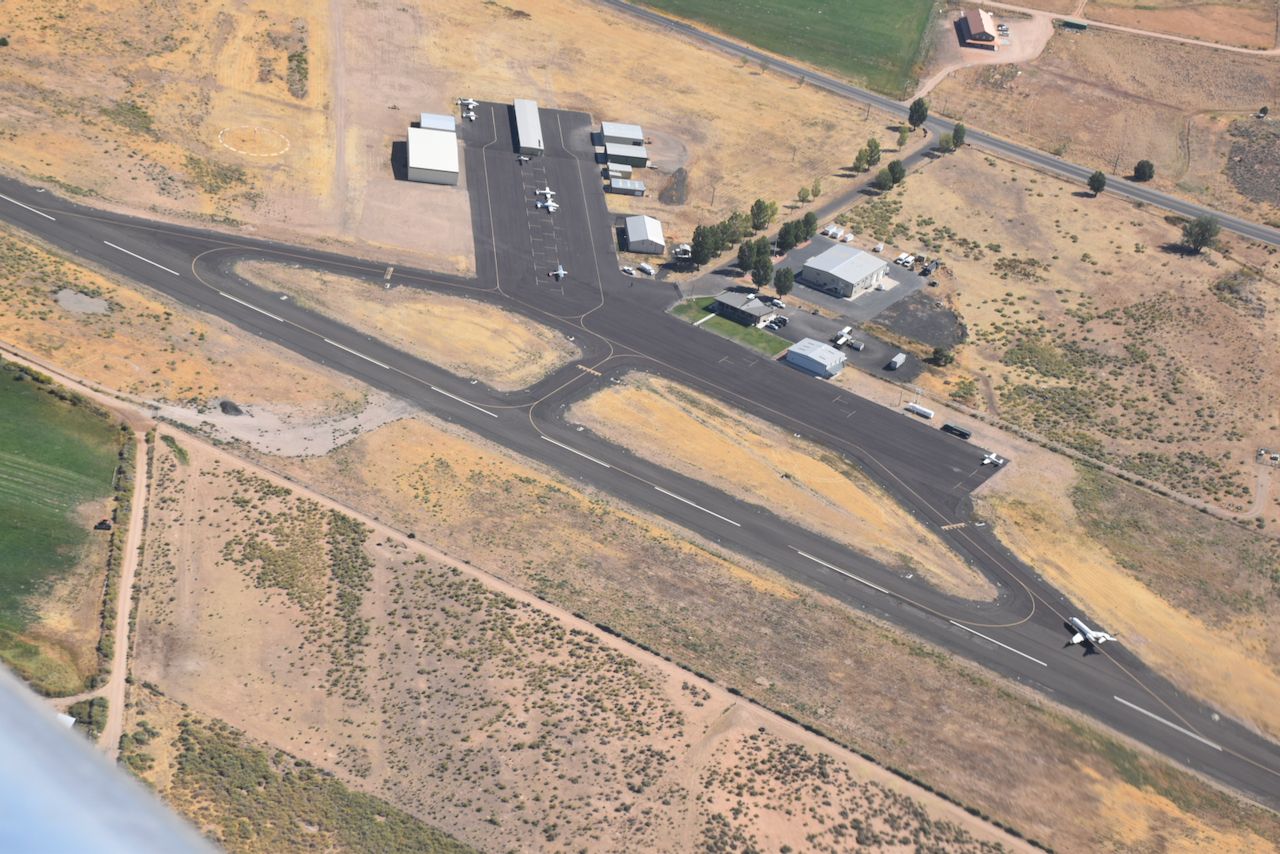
367,655
722,111
1111,99
1254,162
1089,331
666,422
1248,23
468,338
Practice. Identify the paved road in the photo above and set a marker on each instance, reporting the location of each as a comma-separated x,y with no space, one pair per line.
621,325
1116,184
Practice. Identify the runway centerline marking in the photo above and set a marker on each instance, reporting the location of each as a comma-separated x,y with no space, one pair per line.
698,506
1169,724
356,353
579,453
997,643
140,258
250,305
843,572
28,207
466,402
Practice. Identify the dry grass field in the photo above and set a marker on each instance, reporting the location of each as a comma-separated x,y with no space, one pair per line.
1248,23
1087,328
469,338
1109,99
387,664
666,422
707,114
801,653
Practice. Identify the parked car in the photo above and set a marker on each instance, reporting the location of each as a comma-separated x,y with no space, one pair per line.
630,271
646,269
855,344
901,258
781,321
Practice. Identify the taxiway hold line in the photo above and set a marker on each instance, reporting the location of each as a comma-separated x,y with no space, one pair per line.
250,305
699,506
355,353
843,572
997,643
576,451
467,402
1169,724
28,207
140,258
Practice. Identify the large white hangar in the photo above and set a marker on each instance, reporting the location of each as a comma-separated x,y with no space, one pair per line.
433,150
844,271
644,234
528,126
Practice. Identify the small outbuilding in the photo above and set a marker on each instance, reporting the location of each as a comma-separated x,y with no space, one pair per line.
844,271
621,134
644,234
619,170
812,355
437,121
626,186
978,29
433,156
528,126
632,155
744,308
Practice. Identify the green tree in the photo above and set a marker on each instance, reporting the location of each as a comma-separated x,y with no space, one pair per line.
897,171
809,225
918,112
1144,171
762,271
862,162
803,195
746,255
1200,232
904,133
762,248
883,180
702,246
787,236
4,42
784,279
873,151
816,189
946,143
1097,182
737,227
942,356
762,213
957,134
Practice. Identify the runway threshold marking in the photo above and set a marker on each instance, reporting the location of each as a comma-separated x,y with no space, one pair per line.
579,453
466,402
140,258
357,353
1169,724
698,506
589,370
997,643
28,207
250,305
387,276
843,572
954,525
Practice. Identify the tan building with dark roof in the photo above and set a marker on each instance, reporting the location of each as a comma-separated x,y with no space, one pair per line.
979,29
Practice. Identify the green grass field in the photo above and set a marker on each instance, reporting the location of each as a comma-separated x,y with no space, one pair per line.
757,339
54,456
870,41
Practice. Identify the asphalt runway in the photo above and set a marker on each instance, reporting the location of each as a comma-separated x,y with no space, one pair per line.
623,326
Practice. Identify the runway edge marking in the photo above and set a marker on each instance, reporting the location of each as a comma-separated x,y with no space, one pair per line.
998,643
1170,724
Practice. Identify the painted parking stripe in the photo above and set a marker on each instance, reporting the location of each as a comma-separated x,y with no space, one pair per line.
997,643
250,305
140,258
1169,724
467,402
28,207
698,506
355,353
576,451
843,572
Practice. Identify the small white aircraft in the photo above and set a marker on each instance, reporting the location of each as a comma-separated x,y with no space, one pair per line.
522,158
550,204
993,460
1086,635
546,191
468,103
558,273
469,115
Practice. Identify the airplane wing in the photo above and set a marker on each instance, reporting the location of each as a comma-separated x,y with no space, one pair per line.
1077,637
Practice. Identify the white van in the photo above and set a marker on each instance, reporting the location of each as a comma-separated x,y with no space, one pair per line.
917,409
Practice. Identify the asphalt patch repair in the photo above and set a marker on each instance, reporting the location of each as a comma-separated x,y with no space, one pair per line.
921,317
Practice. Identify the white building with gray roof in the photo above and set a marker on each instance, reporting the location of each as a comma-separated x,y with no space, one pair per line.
844,271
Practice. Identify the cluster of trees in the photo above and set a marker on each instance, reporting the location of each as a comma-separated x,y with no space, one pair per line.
810,192
949,142
710,240
762,213
868,155
756,256
797,231
890,176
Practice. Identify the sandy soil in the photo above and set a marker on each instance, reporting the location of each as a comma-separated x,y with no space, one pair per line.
468,338
1028,36
706,112
669,423
459,677
231,115
1249,23
1112,99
